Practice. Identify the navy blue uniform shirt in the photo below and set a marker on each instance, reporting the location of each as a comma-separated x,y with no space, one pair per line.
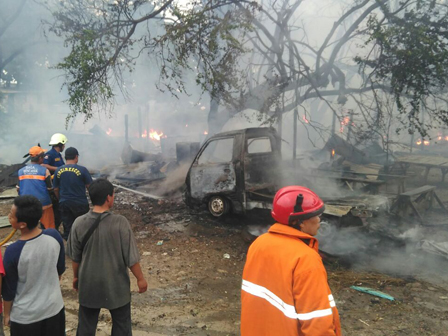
72,180
53,158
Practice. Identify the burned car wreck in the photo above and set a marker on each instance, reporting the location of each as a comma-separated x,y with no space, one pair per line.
241,170
235,171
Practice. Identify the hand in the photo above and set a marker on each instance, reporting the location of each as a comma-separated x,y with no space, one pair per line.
75,284
6,321
142,285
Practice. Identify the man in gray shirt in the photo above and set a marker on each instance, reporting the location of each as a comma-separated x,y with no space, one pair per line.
100,263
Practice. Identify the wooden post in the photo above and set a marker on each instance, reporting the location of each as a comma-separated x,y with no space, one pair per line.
349,132
294,149
126,135
333,124
147,116
423,123
140,131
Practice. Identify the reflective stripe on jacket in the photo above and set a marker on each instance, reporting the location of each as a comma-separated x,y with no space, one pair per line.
32,182
285,288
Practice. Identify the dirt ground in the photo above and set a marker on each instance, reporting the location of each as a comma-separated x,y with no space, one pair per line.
193,265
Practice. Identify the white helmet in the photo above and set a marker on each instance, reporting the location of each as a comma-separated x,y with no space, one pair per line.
58,138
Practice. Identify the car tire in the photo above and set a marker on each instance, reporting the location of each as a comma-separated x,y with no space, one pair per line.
218,206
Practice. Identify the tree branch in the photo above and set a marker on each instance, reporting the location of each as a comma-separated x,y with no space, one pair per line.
12,18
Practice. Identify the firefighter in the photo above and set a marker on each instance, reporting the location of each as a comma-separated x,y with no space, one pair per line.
35,180
53,158
285,289
70,182
52,161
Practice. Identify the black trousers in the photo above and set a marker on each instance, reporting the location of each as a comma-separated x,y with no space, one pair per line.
121,321
69,212
57,213
54,326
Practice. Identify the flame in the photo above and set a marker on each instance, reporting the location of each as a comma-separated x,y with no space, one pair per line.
109,131
332,153
305,119
439,138
344,122
153,134
426,142
419,142
446,138
205,133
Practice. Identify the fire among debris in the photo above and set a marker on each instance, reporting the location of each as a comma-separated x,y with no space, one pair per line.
153,134
344,122
424,142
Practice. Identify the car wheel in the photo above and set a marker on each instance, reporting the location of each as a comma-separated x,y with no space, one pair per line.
218,206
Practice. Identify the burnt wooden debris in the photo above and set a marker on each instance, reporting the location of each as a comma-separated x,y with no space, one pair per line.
416,201
8,174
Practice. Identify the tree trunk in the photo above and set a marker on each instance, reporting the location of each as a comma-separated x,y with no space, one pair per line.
216,118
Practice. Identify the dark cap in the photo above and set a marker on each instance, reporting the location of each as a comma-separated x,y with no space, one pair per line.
70,153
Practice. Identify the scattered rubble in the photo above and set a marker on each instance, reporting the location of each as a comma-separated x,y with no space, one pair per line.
191,285
194,261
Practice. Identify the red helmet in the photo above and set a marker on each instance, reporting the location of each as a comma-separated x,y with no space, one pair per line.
296,202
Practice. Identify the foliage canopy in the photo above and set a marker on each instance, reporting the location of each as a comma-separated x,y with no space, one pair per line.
411,53
106,38
251,55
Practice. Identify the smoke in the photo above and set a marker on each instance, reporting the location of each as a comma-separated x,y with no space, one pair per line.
391,251
36,114
174,181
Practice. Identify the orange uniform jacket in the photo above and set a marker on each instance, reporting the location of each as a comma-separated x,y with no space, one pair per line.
285,288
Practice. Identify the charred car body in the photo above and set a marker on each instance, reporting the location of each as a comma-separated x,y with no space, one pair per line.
235,171
242,170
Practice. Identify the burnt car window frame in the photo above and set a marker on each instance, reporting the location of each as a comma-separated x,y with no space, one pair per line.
259,137
215,140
